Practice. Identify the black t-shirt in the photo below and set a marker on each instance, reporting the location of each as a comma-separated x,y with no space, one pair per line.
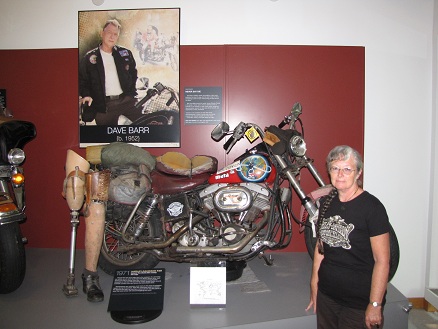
346,270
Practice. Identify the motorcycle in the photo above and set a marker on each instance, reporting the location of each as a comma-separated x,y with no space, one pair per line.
159,104
14,134
195,213
163,51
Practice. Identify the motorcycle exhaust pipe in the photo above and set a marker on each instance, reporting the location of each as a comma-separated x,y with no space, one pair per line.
182,249
161,245
229,250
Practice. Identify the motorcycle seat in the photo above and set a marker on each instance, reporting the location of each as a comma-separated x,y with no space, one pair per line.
179,164
163,183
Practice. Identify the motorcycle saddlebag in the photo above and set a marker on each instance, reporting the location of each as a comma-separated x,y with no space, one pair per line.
129,183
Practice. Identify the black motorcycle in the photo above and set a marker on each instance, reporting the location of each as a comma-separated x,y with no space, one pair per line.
14,134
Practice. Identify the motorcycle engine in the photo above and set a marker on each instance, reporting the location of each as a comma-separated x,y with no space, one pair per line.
236,204
232,199
236,197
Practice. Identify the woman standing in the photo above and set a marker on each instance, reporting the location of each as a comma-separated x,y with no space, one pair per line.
351,261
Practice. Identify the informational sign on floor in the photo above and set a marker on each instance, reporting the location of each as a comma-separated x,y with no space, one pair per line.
208,286
137,296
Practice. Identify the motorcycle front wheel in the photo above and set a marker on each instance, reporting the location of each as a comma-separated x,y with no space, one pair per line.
12,258
394,250
111,259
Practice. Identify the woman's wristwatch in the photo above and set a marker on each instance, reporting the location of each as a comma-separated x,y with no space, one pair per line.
375,304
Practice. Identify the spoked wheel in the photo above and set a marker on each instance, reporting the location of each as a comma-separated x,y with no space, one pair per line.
393,245
111,259
12,258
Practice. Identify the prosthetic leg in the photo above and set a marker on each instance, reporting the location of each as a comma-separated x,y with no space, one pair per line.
97,184
74,193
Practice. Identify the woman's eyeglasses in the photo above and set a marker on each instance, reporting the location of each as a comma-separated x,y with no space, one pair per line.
346,171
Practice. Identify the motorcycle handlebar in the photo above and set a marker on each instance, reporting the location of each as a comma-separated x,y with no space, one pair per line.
282,123
239,131
237,134
293,116
149,94
229,144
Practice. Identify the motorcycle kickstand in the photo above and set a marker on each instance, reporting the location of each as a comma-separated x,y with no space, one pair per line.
69,288
269,260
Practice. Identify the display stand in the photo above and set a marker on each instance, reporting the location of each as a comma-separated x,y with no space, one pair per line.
137,296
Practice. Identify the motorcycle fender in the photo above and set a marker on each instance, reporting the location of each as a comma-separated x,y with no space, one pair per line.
8,210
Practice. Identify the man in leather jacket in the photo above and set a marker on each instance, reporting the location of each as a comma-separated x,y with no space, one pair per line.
107,78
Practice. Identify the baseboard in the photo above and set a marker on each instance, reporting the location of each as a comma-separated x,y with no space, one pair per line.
421,303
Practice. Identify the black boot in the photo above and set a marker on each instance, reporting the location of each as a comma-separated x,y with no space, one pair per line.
92,288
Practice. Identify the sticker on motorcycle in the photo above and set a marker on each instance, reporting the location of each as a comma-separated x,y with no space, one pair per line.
175,209
252,134
254,168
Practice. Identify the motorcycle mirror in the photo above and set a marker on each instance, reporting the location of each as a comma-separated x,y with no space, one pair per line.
296,110
220,131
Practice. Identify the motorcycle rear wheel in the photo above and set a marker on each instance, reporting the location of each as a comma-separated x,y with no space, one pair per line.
111,260
394,252
12,258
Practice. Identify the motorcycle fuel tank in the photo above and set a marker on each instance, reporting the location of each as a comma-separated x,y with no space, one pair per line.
253,168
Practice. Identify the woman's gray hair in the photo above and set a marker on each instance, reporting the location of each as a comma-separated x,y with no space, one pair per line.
344,152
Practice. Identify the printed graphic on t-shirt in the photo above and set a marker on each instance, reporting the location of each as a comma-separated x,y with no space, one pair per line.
335,232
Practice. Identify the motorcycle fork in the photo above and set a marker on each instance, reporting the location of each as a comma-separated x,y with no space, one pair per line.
306,201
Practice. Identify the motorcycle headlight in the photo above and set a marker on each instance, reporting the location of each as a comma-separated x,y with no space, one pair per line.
16,156
297,146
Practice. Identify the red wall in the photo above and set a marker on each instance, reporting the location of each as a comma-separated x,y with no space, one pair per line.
260,84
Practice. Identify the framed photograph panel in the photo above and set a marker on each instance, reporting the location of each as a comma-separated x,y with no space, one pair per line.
129,77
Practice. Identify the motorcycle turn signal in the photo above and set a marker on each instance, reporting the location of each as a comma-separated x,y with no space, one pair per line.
17,179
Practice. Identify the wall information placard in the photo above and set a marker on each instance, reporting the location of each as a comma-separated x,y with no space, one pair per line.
202,105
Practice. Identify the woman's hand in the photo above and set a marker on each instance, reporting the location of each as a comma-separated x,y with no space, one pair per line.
313,294
86,99
317,259
373,316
